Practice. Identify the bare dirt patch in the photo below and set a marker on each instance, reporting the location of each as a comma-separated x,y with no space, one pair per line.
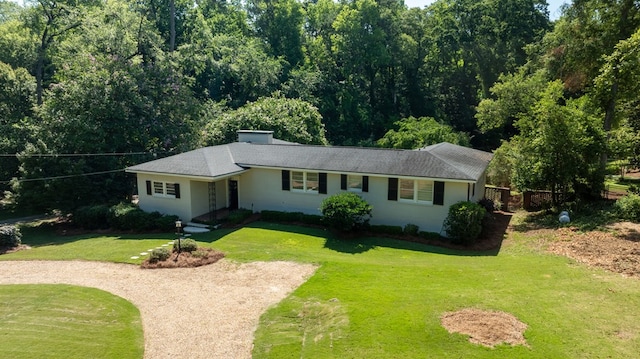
615,249
488,328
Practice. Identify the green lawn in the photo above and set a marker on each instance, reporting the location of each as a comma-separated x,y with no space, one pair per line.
378,298
382,298
63,321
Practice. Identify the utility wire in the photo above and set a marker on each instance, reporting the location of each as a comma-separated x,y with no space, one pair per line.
75,154
62,177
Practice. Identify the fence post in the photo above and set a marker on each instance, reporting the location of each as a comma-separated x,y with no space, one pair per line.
505,193
526,200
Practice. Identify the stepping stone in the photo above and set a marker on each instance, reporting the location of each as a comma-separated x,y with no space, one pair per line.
144,253
196,230
135,257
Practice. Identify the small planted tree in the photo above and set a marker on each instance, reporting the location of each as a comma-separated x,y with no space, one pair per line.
345,211
10,236
464,222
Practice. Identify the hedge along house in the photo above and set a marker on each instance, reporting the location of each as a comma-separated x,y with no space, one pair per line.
262,173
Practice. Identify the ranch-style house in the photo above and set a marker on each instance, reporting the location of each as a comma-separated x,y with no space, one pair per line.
260,173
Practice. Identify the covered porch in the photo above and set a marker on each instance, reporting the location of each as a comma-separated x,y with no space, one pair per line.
212,201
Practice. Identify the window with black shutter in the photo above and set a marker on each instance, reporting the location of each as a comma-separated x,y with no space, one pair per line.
322,185
438,193
286,184
392,193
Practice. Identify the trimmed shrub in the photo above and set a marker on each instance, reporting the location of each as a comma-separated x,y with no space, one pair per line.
411,229
628,207
488,204
385,229
128,216
345,211
186,245
165,222
429,235
312,219
92,217
10,236
464,222
239,215
159,255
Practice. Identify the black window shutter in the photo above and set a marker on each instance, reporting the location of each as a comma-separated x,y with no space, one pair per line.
285,180
149,188
322,177
392,194
365,183
343,182
438,193
176,187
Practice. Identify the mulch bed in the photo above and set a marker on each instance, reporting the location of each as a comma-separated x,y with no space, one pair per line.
200,257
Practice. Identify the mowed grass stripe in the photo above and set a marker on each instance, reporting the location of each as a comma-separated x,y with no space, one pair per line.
63,321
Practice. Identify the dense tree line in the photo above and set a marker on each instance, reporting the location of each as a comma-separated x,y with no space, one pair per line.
137,79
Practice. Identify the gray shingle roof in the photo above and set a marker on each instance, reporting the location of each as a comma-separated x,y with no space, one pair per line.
443,161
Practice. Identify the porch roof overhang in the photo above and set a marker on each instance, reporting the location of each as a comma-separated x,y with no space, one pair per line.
192,177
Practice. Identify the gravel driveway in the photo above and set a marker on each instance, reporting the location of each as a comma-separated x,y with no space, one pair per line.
205,312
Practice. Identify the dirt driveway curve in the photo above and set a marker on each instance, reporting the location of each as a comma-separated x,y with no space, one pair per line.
205,312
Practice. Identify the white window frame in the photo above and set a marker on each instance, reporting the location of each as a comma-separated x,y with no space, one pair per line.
163,189
415,187
306,187
355,178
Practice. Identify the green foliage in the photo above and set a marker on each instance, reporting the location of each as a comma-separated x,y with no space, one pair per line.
415,133
411,229
239,215
628,207
289,119
386,229
559,147
185,245
92,217
10,236
345,211
159,255
464,222
127,216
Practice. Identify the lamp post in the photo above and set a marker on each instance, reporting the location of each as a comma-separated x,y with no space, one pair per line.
178,227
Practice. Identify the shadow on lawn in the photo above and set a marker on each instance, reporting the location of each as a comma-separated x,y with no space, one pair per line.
488,245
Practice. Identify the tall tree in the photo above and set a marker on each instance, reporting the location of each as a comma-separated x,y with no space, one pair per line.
52,19
279,23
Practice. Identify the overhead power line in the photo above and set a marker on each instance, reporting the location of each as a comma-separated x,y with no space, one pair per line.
63,177
75,154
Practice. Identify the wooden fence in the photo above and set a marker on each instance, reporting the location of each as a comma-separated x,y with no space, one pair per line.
498,194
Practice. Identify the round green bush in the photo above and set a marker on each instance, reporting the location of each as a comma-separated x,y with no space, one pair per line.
91,217
464,222
345,211
186,245
10,236
159,255
628,207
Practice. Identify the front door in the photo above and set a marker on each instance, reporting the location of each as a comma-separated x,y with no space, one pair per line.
233,194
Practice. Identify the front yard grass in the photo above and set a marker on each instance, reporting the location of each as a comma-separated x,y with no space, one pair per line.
64,321
383,298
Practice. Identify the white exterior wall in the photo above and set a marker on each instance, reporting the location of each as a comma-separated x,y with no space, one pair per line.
193,201
261,189
178,206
